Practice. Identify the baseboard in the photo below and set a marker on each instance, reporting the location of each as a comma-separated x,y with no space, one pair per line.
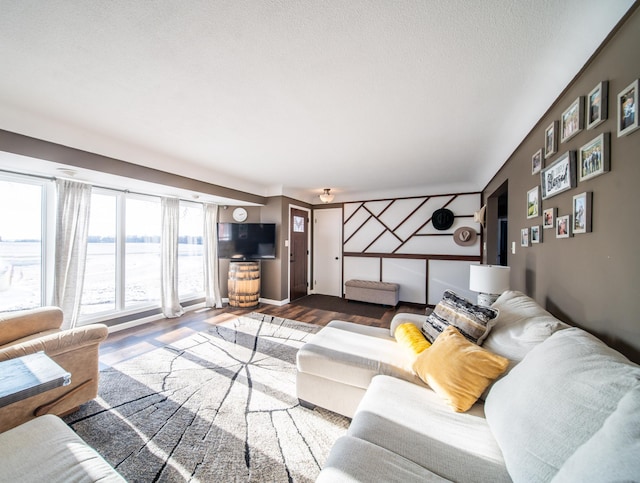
151,318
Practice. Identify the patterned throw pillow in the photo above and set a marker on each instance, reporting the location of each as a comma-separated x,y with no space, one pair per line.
473,321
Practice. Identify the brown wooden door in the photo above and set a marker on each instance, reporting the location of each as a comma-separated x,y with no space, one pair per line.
299,253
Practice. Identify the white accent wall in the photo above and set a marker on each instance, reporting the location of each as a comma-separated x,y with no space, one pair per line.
394,240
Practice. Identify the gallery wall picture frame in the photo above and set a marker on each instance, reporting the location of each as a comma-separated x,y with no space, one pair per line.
549,218
533,202
572,119
536,234
597,105
536,162
582,212
593,157
628,109
559,176
524,237
551,140
563,226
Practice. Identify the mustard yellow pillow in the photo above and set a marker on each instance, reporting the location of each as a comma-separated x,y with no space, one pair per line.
458,370
410,336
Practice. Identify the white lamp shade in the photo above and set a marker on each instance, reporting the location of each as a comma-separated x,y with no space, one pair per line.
490,279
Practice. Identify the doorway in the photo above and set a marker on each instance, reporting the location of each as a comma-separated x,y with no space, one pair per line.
298,253
497,223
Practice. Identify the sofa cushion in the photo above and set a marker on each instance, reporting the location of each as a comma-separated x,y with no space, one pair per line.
411,338
45,449
555,400
473,321
414,422
457,369
352,354
521,325
613,453
356,460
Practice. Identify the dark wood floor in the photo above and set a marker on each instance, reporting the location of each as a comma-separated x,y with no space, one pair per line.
129,343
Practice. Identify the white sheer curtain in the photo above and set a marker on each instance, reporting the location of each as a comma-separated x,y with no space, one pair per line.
211,264
72,226
169,258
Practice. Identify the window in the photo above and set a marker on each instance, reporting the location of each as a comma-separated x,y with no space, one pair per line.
190,254
122,273
99,291
21,243
142,251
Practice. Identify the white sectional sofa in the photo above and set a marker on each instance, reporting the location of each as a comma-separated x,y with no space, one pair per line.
566,409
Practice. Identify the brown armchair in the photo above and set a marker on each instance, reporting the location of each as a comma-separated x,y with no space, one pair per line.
75,350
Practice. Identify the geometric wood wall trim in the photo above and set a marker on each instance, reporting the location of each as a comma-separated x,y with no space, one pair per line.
403,226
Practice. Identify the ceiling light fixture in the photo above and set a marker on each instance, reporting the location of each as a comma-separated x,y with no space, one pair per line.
326,197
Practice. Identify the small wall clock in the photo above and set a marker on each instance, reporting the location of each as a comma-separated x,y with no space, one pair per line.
240,214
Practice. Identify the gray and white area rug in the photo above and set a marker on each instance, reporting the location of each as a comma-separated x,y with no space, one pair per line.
217,406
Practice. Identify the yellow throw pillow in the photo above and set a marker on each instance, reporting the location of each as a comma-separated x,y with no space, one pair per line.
458,370
410,336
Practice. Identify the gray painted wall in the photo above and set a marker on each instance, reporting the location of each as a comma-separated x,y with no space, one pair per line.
591,280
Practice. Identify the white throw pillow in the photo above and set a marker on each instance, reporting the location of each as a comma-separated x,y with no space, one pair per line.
555,400
521,325
613,453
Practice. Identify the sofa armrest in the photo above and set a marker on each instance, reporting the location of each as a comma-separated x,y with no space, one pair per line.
57,342
401,318
20,324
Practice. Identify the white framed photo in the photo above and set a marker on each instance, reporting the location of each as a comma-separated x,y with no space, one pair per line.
551,140
571,120
597,105
533,202
524,237
559,176
582,212
563,226
549,218
536,162
593,158
628,109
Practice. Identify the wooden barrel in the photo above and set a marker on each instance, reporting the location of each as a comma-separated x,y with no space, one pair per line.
244,284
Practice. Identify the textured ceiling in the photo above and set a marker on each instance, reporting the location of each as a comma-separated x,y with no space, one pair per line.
289,97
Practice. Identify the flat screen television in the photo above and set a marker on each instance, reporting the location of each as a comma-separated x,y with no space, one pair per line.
247,241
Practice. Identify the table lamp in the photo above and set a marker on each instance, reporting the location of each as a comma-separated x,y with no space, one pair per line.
489,281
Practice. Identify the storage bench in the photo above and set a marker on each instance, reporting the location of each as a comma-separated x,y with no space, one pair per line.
383,293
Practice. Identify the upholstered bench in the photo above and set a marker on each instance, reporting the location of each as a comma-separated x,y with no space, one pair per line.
383,293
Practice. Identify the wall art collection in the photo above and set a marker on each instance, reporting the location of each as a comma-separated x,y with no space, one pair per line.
571,167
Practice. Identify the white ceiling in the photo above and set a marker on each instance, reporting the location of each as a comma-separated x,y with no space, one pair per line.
291,96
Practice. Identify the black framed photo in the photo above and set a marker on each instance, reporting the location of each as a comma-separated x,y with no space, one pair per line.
628,109
597,104
559,176
551,140
582,212
536,162
571,120
593,158
536,234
